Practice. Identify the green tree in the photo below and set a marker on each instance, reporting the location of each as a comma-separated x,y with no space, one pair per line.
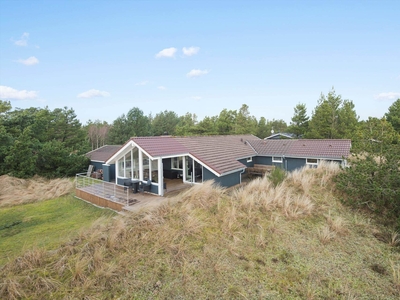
226,121
333,118
207,126
347,119
393,115
186,125
5,106
165,122
373,135
27,135
299,123
22,156
134,123
277,125
263,130
245,123
6,139
372,179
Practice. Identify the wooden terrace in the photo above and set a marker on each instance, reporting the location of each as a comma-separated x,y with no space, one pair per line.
119,198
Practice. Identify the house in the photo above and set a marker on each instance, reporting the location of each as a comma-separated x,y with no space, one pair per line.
223,159
280,135
98,158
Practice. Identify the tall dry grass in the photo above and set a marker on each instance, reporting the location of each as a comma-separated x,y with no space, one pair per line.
256,242
15,191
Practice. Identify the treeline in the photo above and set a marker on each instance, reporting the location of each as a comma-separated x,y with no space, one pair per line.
42,142
50,143
332,118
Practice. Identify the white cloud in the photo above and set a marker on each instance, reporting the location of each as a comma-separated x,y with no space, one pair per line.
190,51
167,52
161,87
23,41
144,82
7,92
196,97
196,73
93,93
29,61
387,96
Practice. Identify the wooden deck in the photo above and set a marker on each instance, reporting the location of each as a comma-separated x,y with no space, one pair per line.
119,198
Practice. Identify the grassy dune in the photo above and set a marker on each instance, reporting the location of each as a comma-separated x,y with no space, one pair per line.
15,191
44,224
292,241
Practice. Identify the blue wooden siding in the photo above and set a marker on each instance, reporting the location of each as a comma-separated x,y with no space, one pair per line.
292,164
288,163
247,164
166,163
108,173
224,181
97,165
154,189
168,172
263,160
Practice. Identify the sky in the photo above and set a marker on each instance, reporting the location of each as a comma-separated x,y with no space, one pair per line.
103,58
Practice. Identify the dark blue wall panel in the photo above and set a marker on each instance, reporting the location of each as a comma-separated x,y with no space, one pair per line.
263,160
295,163
224,181
97,165
247,164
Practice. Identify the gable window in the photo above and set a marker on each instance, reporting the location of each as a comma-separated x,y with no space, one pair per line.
312,162
250,159
276,159
177,163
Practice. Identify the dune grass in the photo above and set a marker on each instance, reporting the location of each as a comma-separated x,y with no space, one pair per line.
292,241
15,191
44,224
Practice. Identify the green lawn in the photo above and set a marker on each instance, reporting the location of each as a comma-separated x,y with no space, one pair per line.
44,224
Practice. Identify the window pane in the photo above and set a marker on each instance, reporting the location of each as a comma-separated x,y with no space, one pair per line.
145,167
154,170
135,164
121,167
312,161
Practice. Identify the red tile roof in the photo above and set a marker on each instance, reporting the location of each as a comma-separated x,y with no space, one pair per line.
328,149
103,153
220,153
157,146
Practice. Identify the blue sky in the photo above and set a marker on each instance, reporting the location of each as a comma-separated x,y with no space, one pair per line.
103,58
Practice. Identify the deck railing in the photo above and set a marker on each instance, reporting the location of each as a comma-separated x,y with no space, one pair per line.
106,190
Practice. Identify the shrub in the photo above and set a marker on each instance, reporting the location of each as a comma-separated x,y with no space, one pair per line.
277,176
373,181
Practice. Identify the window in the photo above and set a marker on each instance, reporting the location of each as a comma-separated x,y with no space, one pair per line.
154,170
312,162
121,168
276,159
249,159
146,167
177,163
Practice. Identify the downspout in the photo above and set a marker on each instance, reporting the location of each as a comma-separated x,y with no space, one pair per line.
283,157
241,173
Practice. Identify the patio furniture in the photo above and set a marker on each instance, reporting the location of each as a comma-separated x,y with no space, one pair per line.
133,184
145,186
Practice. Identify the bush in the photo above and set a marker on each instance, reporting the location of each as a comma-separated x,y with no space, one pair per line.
277,176
373,181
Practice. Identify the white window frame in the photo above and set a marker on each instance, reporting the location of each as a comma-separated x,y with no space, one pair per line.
277,159
250,159
178,158
312,164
